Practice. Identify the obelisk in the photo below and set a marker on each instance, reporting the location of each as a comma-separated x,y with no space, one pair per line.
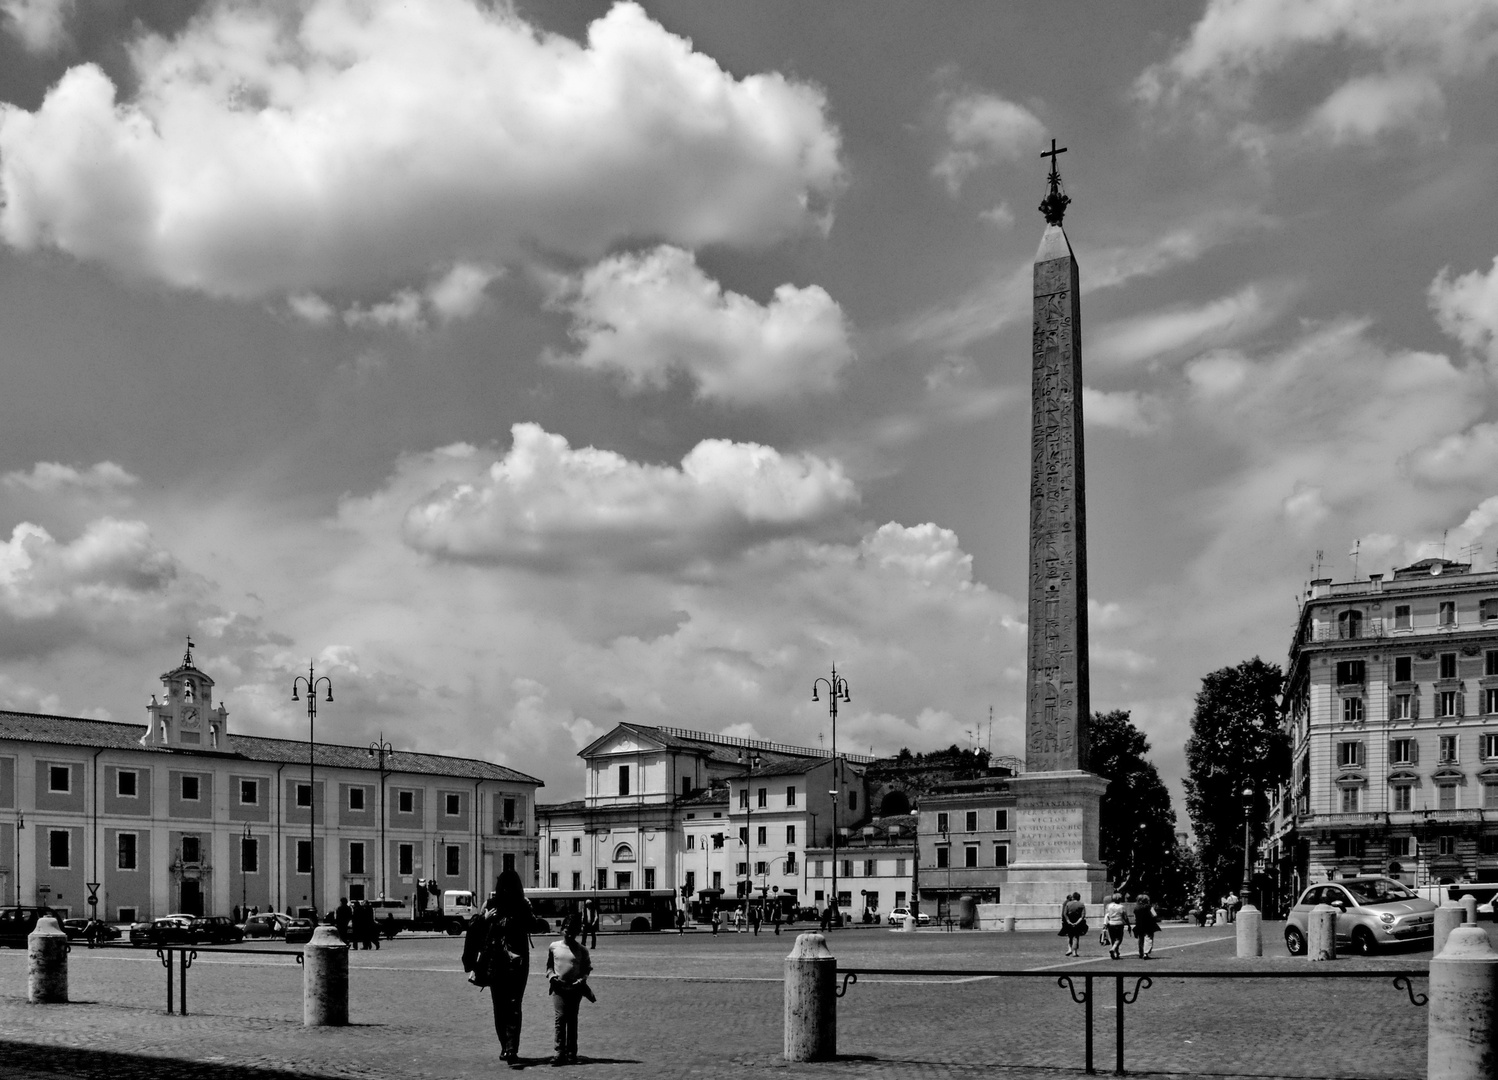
1056,800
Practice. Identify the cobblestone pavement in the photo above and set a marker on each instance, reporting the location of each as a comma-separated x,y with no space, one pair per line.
700,1006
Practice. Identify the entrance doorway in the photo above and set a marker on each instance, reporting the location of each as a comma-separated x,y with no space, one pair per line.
192,898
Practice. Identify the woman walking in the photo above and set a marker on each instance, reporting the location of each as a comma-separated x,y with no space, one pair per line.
1146,925
503,947
1073,923
1115,919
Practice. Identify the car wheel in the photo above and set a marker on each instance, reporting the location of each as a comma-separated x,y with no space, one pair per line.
1295,941
1362,941
641,925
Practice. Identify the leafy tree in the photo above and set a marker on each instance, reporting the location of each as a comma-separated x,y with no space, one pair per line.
1235,745
1138,833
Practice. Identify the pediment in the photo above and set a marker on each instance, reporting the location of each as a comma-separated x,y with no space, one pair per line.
621,740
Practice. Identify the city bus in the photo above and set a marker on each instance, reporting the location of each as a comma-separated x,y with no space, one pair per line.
619,910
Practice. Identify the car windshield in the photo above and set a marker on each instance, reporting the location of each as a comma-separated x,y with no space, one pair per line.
1377,892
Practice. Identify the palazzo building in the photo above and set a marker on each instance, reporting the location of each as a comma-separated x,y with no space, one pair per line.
1391,706
181,815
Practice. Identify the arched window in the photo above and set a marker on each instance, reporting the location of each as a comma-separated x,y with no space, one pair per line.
1350,624
624,853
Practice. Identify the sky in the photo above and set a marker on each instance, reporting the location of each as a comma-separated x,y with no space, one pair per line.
532,367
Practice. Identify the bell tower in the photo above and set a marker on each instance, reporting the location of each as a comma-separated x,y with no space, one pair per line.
186,718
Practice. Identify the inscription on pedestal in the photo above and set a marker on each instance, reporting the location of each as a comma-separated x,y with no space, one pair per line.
1048,832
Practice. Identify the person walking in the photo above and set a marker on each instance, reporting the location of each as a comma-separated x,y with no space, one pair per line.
717,921
502,946
1146,925
1115,919
754,920
1073,923
567,968
590,923
681,922
343,919
776,917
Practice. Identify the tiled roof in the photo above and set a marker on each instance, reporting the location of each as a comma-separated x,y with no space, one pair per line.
716,795
107,734
571,807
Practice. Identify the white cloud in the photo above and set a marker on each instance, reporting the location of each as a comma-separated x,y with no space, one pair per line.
402,311
39,25
1159,334
53,478
311,308
1000,217
983,128
1129,411
356,145
548,505
1362,109
460,293
1466,307
1461,457
648,317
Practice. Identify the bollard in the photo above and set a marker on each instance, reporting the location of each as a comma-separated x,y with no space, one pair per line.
47,963
810,1000
1449,916
1009,924
1469,905
967,913
1321,933
910,922
325,979
1463,1029
1250,932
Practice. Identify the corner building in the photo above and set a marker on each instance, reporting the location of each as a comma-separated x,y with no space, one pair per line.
1391,705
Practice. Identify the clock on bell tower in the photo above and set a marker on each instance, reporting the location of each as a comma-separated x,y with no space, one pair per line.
187,717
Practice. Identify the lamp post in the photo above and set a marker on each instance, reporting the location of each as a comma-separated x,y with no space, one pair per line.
311,681
1248,880
753,763
837,690
381,749
244,900
20,828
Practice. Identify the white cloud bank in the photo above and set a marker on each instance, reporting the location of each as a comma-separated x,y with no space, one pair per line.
1466,307
983,128
651,316
346,144
39,25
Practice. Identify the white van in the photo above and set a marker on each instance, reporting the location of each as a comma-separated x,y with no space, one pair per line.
460,905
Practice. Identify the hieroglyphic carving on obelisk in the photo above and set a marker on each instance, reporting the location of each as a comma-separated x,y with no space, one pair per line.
1057,696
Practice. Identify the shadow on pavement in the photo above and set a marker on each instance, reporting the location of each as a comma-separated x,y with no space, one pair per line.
18,1059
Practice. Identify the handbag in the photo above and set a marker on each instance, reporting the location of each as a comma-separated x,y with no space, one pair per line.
1102,937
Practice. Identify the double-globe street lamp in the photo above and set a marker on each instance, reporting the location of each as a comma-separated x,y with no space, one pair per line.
381,749
837,690
311,681
752,764
1248,875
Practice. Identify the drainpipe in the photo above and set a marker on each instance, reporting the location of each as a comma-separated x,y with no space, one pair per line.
478,854
280,867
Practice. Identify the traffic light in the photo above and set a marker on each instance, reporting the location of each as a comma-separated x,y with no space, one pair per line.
686,892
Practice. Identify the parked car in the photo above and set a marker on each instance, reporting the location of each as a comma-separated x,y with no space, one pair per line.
77,930
1372,913
215,930
271,924
167,930
299,931
898,915
16,924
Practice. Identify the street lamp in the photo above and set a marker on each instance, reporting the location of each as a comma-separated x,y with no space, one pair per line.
1248,880
311,681
244,900
837,690
382,749
753,763
20,828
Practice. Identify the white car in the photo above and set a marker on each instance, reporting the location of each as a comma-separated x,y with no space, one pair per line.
898,916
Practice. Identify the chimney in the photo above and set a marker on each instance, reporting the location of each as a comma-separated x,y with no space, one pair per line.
1321,587
1377,581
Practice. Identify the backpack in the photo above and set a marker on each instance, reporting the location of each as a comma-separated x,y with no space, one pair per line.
486,951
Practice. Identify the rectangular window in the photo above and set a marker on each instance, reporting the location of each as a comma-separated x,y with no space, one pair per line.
943,857
454,860
790,795
1490,660
1448,613
686,785
509,811
1446,796
761,868
126,783
602,878
556,845
1490,700
304,795
899,868
1448,665
356,857
970,855
691,841
1448,750
59,849
817,868
249,855
1402,793
1401,616
127,914
405,802
553,880
1350,800
717,839
623,780
1445,845
1400,707
1001,820
1350,847
743,798
649,877
1487,844
718,880
1352,710
1446,703
405,859
847,868
1401,847
744,834
124,850
970,821
577,880
941,823
1404,668
762,835
356,799
577,845
1490,796
1401,751
1489,744
249,793
852,800
454,806
191,850
1350,671
790,863
59,779
304,856
189,789
624,879
1349,754
1001,855
790,834
763,797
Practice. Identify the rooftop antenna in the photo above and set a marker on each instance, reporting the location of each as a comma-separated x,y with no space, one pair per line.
1319,556
1357,547
1443,544
1471,553
990,731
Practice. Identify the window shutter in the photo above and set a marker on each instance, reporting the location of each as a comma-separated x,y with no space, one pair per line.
1461,703
1414,751
1390,750
1359,745
1415,705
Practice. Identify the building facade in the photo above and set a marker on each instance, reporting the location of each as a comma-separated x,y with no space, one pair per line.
1391,708
875,868
966,838
180,814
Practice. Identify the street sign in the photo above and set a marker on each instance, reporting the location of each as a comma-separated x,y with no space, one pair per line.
93,893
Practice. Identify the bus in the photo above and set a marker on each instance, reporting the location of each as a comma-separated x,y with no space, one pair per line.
620,911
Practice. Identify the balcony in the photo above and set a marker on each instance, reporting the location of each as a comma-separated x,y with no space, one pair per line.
509,828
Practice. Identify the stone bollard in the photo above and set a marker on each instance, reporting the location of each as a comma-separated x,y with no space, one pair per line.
47,963
910,923
1469,905
1250,932
810,1000
1321,933
1449,916
1463,1006
325,979
1008,924
967,913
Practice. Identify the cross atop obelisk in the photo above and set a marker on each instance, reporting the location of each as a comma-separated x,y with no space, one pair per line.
1057,705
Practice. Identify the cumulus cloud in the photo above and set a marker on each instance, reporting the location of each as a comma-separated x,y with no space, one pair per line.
648,317
1466,307
548,505
1460,457
982,128
1128,411
353,145
53,478
39,25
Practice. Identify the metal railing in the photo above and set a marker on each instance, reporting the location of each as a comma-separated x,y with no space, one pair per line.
1142,981
186,954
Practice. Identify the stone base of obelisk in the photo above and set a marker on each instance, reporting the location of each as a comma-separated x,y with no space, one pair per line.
1055,851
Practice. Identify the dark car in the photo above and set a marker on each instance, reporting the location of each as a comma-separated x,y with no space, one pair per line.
271,924
167,930
16,924
77,930
215,930
299,931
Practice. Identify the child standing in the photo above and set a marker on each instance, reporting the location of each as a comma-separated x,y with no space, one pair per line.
568,966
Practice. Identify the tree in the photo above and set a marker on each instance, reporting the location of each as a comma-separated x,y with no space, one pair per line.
1138,831
1236,744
